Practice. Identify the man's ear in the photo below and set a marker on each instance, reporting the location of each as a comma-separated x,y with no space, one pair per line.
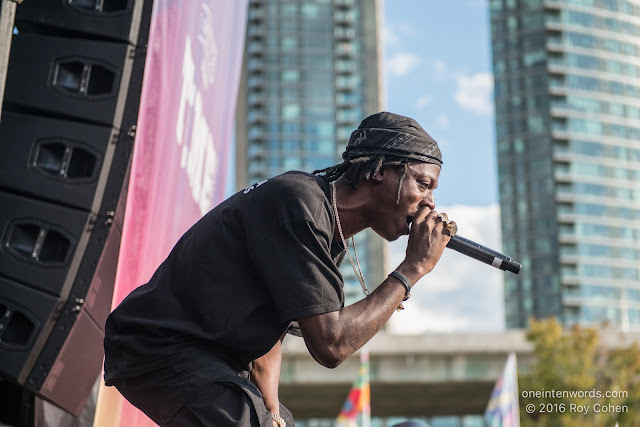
380,175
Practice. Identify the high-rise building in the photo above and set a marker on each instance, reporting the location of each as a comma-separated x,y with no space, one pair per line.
311,74
567,100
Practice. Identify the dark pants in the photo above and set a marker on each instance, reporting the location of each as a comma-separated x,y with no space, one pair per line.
199,393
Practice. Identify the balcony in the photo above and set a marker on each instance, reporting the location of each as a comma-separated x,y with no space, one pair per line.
258,170
343,67
553,22
344,50
569,279
567,217
344,18
552,4
563,177
562,156
256,118
560,134
256,48
256,31
555,42
256,14
256,99
571,301
347,118
344,3
255,82
255,65
568,259
345,101
257,152
344,34
557,66
256,133
567,238
559,111
343,85
557,89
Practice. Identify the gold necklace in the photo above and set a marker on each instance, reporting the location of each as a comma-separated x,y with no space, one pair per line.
357,272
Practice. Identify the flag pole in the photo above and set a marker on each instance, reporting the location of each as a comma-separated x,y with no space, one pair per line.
357,406
366,384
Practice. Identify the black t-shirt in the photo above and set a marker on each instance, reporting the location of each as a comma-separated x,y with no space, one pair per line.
235,281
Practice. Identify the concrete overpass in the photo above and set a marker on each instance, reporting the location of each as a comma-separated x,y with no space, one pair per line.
411,375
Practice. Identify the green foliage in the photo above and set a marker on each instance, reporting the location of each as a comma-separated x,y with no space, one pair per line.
572,374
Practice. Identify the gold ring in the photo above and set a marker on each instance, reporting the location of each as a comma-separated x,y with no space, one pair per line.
444,217
453,228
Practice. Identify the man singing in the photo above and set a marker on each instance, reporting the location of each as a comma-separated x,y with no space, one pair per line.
200,343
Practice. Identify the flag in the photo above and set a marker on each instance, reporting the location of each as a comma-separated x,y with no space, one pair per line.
357,407
503,410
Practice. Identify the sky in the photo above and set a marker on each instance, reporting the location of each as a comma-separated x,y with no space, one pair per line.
437,69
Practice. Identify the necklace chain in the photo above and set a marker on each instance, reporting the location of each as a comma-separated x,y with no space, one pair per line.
357,272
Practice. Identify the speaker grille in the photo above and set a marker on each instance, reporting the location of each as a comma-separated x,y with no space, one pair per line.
77,366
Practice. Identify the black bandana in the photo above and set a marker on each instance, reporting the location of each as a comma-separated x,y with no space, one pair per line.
388,133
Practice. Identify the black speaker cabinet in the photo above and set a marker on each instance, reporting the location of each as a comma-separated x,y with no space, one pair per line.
117,20
61,161
72,78
24,312
67,130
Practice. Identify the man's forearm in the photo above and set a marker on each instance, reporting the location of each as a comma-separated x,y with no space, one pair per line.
265,374
332,337
362,320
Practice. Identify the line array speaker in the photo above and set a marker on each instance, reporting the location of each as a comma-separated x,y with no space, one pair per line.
66,136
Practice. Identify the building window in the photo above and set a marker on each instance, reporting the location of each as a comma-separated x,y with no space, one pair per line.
290,75
290,112
289,43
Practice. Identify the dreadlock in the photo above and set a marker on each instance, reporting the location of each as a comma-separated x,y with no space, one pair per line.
364,168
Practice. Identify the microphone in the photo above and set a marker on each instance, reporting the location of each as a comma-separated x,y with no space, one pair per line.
488,256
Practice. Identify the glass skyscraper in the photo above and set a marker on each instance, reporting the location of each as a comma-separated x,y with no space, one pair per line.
311,74
567,100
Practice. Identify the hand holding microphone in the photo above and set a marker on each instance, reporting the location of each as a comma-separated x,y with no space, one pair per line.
463,245
477,251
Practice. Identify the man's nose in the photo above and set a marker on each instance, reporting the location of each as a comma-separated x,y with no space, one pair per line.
429,201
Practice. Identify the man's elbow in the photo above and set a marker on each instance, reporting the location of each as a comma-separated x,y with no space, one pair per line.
330,363
324,339
328,357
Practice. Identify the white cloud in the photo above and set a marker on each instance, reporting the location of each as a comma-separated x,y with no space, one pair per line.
439,66
423,101
402,63
460,294
474,93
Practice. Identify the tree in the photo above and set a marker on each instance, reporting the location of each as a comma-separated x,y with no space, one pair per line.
574,381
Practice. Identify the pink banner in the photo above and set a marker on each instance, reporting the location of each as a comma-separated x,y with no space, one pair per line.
183,136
